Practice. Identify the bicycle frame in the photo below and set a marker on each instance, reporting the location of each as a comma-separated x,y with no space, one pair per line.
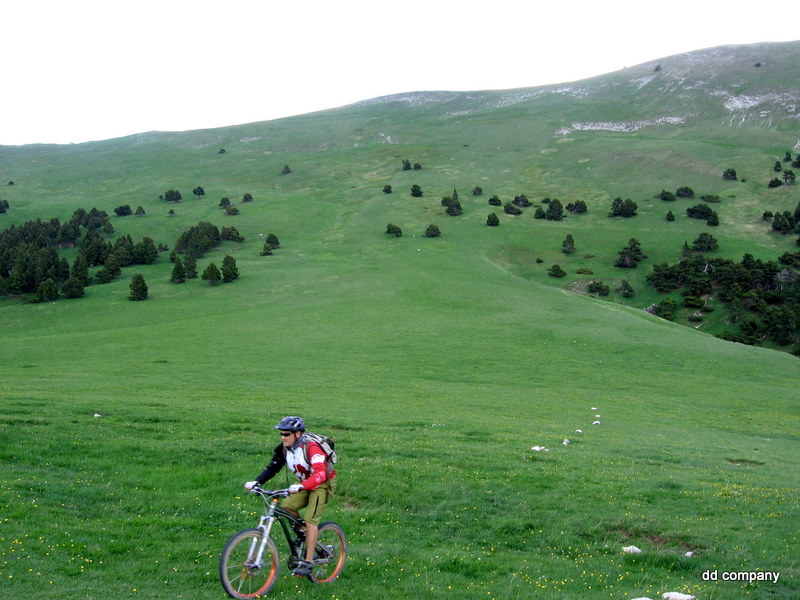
266,522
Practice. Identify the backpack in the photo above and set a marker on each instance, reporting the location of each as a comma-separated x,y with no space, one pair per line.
327,445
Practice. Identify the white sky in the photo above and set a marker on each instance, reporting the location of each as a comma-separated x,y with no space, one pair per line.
78,70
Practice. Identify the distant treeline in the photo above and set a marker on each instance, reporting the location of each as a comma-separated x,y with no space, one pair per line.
30,262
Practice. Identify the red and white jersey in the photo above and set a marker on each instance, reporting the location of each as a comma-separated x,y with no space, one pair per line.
308,464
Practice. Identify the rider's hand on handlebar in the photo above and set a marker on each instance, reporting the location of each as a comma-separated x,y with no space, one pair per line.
250,485
294,488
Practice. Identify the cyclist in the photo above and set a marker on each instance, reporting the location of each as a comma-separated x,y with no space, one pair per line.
309,463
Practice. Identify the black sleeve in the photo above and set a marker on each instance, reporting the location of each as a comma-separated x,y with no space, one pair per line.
275,465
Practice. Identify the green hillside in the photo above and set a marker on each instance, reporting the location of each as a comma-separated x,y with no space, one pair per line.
436,363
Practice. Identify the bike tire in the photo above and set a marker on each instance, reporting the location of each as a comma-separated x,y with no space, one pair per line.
328,563
241,580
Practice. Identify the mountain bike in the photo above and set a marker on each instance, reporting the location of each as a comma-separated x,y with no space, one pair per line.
250,563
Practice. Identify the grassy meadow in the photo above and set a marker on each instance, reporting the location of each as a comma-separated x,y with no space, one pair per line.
127,428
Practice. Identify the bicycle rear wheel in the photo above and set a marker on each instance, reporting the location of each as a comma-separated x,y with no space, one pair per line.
330,553
240,573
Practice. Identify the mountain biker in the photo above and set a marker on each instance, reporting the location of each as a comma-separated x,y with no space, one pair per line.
309,463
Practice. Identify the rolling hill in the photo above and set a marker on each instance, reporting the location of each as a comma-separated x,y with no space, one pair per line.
437,363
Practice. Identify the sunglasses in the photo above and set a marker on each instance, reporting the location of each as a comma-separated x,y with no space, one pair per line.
286,433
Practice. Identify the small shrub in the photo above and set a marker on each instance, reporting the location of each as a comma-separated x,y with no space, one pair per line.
693,302
432,231
599,288
666,196
626,289
394,230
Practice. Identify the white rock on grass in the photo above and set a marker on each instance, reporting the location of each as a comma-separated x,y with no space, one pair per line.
539,449
579,431
677,596
632,550
596,423
566,442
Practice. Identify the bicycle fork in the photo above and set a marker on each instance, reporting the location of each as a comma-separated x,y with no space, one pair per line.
255,557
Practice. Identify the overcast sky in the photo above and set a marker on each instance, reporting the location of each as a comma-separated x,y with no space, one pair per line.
78,70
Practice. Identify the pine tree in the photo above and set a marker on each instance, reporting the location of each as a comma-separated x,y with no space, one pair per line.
555,211
80,269
46,291
229,270
568,245
190,266
73,288
178,272
211,274
138,288
112,266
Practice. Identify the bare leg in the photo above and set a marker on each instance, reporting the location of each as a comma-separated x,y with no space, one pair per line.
312,533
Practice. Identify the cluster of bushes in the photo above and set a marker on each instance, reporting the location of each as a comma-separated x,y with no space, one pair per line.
199,239
452,205
785,222
185,269
681,192
193,243
229,208
761,297
631,255
125,211
173,195
407,165
787,175
30,263
431,231
703,211
270,244
623,208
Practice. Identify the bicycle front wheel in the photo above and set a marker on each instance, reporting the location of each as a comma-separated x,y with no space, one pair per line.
242,572
330,553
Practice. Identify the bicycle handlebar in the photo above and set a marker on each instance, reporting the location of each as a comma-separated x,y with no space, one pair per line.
257,489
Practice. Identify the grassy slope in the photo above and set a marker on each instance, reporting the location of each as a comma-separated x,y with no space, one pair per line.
437,363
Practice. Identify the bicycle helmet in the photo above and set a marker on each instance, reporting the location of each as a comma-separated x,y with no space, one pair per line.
291,424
